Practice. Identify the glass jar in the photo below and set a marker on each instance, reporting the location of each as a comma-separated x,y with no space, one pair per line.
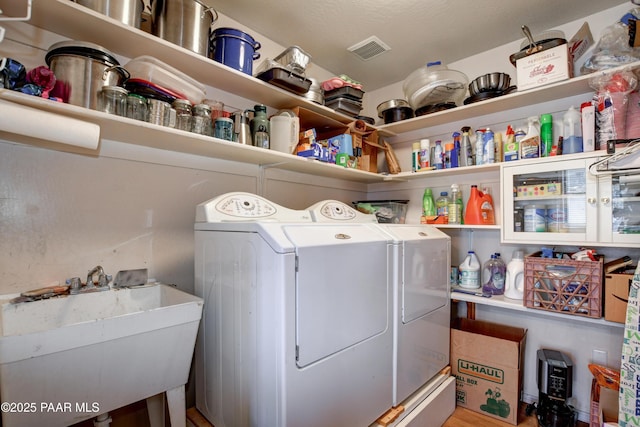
136,107
158,112
202,120
113,100
184,114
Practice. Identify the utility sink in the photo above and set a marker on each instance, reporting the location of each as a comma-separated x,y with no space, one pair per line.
67,359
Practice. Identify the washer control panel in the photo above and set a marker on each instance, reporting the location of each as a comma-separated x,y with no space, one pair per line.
239,206
333,210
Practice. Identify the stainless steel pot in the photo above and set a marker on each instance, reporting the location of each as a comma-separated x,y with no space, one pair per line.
128,12
81,70
186,23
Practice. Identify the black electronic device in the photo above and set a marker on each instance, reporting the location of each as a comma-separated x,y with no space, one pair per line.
555,378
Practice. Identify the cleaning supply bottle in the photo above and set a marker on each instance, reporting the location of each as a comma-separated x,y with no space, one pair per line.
442,206
514,279
489,147
415,157
455,153
546,134
424,153
428,204
511,151
494,272
466,156
479,152
470,275
530,144
438,156
479,209
572,132
455,205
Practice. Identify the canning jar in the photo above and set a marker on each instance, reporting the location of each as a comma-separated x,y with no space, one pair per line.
136,107
158,112
202,120
113,100
184,113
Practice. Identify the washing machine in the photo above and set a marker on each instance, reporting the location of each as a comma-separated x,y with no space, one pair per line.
297,326
421,301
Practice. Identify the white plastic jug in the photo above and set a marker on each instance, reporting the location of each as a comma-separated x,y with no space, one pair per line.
514,283
284,133
470,271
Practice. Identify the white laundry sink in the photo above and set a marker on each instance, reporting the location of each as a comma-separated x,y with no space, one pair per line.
64,360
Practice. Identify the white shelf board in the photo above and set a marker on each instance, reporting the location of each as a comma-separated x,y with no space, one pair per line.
75,21
575,86
506,303
141,133
467,227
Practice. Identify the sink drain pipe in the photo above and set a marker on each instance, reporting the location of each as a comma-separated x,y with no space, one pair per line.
102,420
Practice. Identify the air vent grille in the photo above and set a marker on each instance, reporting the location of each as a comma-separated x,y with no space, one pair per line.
369,48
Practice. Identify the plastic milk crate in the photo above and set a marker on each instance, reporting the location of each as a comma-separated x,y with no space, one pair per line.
563,286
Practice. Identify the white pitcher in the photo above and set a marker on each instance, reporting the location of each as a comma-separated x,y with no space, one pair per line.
514,282
283,134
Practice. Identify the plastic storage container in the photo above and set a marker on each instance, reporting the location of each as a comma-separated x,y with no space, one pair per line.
155,71
386,211
435,84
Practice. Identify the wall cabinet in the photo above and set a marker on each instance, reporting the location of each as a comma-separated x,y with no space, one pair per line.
562,201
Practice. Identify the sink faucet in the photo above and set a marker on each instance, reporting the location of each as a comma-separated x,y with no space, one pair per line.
103,280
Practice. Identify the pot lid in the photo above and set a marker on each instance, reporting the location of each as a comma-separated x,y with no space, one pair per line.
81,48
392,103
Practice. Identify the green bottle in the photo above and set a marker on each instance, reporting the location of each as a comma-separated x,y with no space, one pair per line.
428,204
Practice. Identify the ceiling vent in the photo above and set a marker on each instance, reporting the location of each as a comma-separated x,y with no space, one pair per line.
369,48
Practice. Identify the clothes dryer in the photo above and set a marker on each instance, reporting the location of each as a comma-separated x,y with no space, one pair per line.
297,321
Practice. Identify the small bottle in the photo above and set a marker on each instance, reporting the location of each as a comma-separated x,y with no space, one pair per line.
497,138
424,153
428,204
259,123
201,122
448,155
479,147
466,157
442,206
455,205
572,130
530,143
511,151
455,153
546,134
415,157
489,147
438,156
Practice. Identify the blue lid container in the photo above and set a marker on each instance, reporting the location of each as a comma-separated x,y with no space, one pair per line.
234,48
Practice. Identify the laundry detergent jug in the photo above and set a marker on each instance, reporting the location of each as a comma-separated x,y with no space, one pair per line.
514,282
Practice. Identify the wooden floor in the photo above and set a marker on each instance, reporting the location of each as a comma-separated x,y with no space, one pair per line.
463,417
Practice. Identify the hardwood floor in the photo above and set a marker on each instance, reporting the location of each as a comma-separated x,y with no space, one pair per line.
463,417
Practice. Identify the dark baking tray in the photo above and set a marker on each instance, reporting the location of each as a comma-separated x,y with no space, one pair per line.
345,106
286,80
344,92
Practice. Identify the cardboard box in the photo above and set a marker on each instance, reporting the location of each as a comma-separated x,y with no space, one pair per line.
616,295
545,67
487,360
605,388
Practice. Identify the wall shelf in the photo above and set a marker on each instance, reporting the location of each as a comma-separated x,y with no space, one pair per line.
572,87
505,303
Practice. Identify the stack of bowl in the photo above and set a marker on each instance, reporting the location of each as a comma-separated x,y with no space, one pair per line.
489,86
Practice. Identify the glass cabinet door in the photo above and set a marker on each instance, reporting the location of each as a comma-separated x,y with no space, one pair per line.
619,199
550,203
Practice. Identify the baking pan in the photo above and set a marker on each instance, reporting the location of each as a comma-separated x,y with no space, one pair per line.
286,80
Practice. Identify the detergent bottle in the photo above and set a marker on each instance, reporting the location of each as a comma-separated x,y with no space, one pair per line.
479,209
514,280
494,273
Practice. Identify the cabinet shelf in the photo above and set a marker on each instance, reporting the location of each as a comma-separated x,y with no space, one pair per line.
467,226
572,87
550,197
506,303
75,21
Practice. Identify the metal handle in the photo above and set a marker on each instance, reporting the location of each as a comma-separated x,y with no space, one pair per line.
591,200
122,70
605,200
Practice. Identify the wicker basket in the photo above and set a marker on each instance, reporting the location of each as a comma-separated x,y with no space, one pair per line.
563,286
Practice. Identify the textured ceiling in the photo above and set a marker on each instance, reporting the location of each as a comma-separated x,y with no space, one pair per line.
417,31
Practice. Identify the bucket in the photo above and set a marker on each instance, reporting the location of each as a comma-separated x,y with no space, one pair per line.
128,12
186,23
82,69
234,49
